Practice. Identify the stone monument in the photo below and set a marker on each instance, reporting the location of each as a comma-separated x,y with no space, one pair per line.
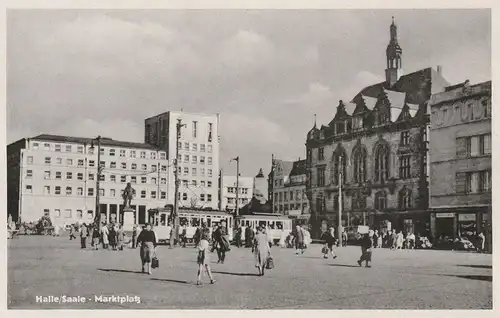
128,211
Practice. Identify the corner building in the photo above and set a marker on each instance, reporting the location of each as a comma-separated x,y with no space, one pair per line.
460,161
379,140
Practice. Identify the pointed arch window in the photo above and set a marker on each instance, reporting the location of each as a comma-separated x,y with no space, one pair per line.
381,163
405,198
380,201
359,165
336,162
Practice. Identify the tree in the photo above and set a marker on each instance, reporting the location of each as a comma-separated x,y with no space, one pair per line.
43,223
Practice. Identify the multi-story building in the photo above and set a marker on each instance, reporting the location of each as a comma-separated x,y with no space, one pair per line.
228,188
378,142
460,160
289,187
56,176
198,157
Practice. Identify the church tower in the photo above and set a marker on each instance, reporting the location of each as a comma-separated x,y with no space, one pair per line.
394,57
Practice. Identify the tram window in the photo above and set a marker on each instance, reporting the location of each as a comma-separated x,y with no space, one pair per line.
263,223
209,222
183,221
271,225
163,220
229,223
279,225
195,222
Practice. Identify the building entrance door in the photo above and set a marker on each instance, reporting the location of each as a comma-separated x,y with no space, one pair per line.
444,227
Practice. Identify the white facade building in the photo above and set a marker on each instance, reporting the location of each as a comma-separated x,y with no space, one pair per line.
228,192
57,177
198,157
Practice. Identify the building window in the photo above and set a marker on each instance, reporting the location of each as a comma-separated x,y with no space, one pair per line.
474,146
124,165
202,160
143,194
69,148
90,192
112,193
186,146
405,198
485,181
91,163
340,128
194,183
122,153
186,171
337,159
91,151
67,213
58,190
194,159
69,190
79,176
195,147
112,178
144,179
69,162
79,214
35,145
133,179
404,166
29,188
112,152
46,147
184,196
57,148
79,191
163,156
153,180
102,178
153,155
380,201
80,162
210,132
202,172
195,129
210,173
359,158
405,138
209,160
202,147
57,213
69,175
381,163
134,166
29,174
132,153
123,179
112,165
46,212
321,153
90,214
321,178
58,175
209,148
163,195
47,160
193,171
209,184
202,197
209,198
30,160
102,192
59,161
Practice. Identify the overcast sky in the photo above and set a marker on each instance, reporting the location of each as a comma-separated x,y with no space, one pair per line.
89,73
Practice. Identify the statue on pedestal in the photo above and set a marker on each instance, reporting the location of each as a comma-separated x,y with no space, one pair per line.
128,195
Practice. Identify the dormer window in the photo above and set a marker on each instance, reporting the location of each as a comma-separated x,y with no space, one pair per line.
348,124
340,129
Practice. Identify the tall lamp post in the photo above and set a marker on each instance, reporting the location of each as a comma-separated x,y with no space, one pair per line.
175,219
339,230
237,210
97,218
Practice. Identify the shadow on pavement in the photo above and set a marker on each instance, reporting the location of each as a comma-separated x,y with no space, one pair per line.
119,270
477,266
171,280
486,278
235,274
343,265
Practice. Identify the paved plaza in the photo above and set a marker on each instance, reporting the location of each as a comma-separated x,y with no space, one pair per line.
419,279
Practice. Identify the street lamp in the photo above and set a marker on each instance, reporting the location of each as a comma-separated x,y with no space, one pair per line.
97,218
237,210
175,220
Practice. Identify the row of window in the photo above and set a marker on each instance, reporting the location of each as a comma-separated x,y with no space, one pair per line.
202,197
194,172
111,151
287,207
194,183
292,195
474,146
67,213
194,159
91,177
233,190
473,182
112,164
194,147
58,190
463,112
233,201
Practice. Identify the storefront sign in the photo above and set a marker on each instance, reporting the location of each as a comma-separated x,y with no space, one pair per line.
445,215
294,212
467,217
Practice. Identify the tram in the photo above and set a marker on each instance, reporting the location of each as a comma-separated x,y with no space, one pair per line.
191,218
276,224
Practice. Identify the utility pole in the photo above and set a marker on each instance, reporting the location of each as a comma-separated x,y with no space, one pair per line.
175,218
237,210
339,230
97,218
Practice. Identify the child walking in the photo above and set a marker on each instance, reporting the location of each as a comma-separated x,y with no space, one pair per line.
203,256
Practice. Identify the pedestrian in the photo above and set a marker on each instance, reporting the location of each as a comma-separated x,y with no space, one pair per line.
134,236
203,259
481,239
96,237
72,232
112,237
221,241
104,236
366,249
394,239
90,233
148,242
183,235
282,242
237,236
307,238
299,240
197,236
120,237
411,240
399,240
329,238
261,250
375,239
83,236
139,230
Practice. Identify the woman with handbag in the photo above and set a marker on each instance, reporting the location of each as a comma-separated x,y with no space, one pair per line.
366,249
147,240
261,250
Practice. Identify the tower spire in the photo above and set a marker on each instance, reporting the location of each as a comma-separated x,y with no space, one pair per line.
314,121
394,57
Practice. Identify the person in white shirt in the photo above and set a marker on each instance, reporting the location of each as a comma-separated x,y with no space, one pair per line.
203,259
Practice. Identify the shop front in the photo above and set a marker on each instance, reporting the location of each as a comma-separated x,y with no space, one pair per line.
417,222
459,222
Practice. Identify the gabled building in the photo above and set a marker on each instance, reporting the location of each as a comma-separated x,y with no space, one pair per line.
379,143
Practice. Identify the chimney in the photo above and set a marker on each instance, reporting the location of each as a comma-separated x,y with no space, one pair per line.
439,69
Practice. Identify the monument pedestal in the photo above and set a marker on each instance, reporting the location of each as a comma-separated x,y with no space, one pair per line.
128,219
